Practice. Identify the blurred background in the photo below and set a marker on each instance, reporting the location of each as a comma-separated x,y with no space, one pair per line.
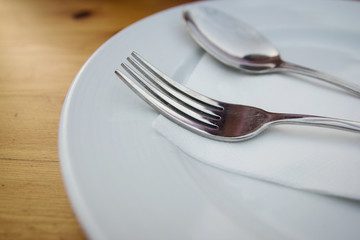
43,44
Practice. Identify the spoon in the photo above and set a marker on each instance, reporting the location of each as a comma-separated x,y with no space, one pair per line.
238,45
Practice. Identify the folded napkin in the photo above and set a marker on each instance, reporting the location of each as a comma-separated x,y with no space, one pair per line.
305,157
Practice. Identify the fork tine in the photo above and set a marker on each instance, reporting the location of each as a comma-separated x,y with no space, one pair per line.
165,104
197,97
172,91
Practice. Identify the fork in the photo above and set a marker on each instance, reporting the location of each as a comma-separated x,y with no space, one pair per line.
208,117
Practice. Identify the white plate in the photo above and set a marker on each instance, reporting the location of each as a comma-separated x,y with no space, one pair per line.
127,182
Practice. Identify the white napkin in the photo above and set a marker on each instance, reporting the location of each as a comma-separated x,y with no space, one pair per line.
304,157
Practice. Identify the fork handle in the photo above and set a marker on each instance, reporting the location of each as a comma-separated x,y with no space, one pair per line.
349,86
319,121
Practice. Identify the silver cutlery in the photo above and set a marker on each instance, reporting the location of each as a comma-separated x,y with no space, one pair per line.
208,117
238,45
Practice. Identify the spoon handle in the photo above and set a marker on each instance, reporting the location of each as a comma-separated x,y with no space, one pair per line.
349,86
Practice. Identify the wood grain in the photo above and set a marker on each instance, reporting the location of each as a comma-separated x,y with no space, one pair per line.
43,44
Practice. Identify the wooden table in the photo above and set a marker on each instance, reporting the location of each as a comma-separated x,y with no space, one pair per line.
43,44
